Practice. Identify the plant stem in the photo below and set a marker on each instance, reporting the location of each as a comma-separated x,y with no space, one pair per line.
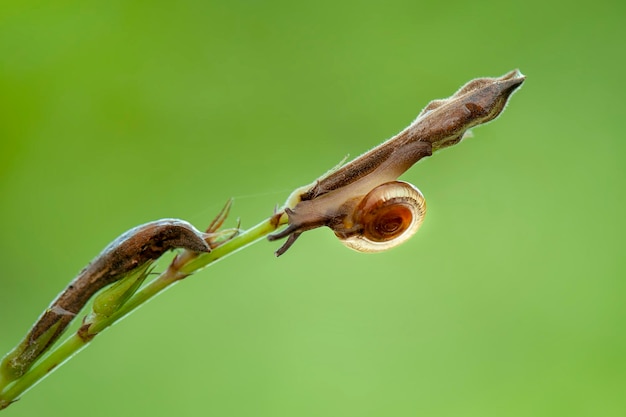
58,356
184,265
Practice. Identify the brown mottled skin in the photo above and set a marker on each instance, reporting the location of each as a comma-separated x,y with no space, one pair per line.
126,253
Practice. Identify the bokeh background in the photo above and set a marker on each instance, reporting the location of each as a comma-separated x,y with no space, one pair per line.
510,300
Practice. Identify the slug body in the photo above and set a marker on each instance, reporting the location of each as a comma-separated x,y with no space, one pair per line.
126,253
331,199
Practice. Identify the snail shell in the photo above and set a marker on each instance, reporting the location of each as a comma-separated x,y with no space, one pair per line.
364,219
386,217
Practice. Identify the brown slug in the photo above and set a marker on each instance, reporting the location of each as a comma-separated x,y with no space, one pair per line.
126,253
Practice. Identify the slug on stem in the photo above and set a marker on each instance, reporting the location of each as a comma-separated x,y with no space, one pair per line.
334,200
125,254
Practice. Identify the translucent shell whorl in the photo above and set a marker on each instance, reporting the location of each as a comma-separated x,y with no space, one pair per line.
386,217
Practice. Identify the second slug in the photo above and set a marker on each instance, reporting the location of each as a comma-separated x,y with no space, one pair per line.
126,253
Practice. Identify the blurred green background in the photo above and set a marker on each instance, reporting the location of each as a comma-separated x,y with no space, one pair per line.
510,300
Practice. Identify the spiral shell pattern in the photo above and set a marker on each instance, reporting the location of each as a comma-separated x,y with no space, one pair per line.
386,217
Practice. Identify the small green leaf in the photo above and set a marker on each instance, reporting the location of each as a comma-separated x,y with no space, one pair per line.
111,299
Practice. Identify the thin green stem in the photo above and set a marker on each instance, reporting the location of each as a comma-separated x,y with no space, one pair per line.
45,367
184,265
188,266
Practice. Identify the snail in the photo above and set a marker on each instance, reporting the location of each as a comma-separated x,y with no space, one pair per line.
384,218
335,200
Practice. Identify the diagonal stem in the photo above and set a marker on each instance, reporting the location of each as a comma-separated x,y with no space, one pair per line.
184,265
